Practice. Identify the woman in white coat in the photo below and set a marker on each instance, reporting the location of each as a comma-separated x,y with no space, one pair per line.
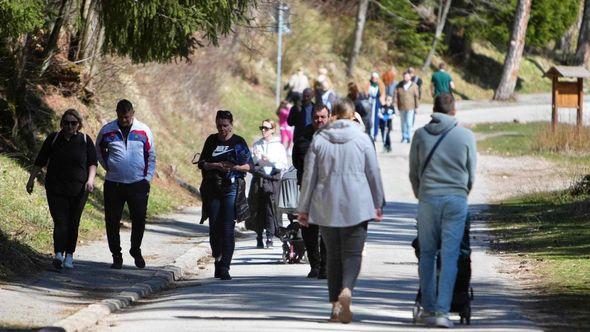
270,160
341,191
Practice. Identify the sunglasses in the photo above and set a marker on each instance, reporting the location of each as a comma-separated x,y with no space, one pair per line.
71,123
263,128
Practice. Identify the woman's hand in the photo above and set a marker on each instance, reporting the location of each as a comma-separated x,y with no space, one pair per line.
30,185
89,186
227,166
215,166
379,214
303,218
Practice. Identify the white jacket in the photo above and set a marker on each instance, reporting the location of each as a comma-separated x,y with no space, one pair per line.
274,152
126,162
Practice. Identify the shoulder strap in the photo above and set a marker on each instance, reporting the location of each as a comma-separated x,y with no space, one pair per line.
440,139
54,138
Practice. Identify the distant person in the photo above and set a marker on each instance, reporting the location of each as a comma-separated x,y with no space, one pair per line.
389,81
376,93
270,161
407,101
316,249
286,130
300,114
362,105
324,95
341,197
443,159
323,77
126,150
416,80
70,159
441,82
385,121
224,160
297,83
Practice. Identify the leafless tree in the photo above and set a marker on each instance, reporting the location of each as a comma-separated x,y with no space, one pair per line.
361,19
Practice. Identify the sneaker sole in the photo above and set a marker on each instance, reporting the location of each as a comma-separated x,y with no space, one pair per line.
345,315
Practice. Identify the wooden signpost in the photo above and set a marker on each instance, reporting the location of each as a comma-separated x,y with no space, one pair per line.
568,94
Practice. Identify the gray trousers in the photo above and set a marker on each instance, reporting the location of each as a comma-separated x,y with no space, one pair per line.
344,248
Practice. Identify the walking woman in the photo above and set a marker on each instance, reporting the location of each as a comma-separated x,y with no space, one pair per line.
270,160
376,92
286,130
341,197
70,158
225,160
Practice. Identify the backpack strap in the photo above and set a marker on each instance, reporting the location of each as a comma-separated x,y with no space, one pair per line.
440,139
54,138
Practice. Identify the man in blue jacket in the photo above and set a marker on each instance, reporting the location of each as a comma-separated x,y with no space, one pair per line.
125,149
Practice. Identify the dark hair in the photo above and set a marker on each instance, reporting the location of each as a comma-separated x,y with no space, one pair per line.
224,115
442,65
73,113
124,106
353,91
319,107
444,103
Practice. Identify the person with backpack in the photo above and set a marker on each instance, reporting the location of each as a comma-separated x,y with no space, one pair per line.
127,152
416,80
269,162
71,161
443,158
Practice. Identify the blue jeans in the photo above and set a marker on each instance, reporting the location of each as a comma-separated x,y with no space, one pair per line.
222,222
441,223
407,122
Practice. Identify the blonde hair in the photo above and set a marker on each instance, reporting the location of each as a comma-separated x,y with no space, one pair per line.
272,123
344,109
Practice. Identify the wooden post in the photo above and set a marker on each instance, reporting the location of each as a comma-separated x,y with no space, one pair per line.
580,115
554,115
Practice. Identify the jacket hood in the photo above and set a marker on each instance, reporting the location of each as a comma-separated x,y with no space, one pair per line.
439,123
341,131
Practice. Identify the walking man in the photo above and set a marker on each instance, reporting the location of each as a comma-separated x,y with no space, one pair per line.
316,249
443,160
126,151
406,100
416,80
441,82
300,115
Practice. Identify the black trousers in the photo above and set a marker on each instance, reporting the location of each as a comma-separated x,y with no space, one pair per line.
314,244
267,218
115,196
66,212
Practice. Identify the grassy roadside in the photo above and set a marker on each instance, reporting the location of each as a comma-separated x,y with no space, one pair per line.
547,233
26,226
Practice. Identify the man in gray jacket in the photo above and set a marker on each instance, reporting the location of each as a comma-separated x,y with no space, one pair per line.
443,158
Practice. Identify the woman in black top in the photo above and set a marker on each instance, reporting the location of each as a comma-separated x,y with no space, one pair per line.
225,160
71,162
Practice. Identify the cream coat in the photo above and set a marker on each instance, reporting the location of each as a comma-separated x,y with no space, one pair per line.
342,182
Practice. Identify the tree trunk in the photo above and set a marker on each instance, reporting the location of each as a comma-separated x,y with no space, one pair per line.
443,10
514,56
51,46
90,29
361,18
583,51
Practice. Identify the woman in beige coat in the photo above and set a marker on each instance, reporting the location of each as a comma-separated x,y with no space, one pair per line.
341,192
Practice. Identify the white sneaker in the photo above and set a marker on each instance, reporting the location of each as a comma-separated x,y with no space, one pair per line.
442,320
58,260
69,261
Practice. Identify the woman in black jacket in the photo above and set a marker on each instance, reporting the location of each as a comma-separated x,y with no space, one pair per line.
70,158
225,160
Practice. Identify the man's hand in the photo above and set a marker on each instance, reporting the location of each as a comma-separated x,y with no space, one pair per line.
379,214
303,218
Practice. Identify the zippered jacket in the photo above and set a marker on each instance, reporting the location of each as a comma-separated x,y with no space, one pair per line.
126,161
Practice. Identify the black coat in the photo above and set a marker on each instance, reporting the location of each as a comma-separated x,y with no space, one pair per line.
300,146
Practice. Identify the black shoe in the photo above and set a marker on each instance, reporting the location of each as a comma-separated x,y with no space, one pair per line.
269,243
224,275
259,243
117,262
57,264
217,273
139,261
314,273
322,274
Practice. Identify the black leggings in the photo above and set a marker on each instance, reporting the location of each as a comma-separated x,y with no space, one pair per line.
66,212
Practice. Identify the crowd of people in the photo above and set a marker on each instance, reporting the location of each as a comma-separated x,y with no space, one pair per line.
337,199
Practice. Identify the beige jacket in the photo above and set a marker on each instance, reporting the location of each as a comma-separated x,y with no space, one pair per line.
406,100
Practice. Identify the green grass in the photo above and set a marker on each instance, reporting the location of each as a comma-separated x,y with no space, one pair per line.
26,226
526,139
550,233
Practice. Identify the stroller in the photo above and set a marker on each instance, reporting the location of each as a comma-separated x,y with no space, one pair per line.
463,292
293,246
